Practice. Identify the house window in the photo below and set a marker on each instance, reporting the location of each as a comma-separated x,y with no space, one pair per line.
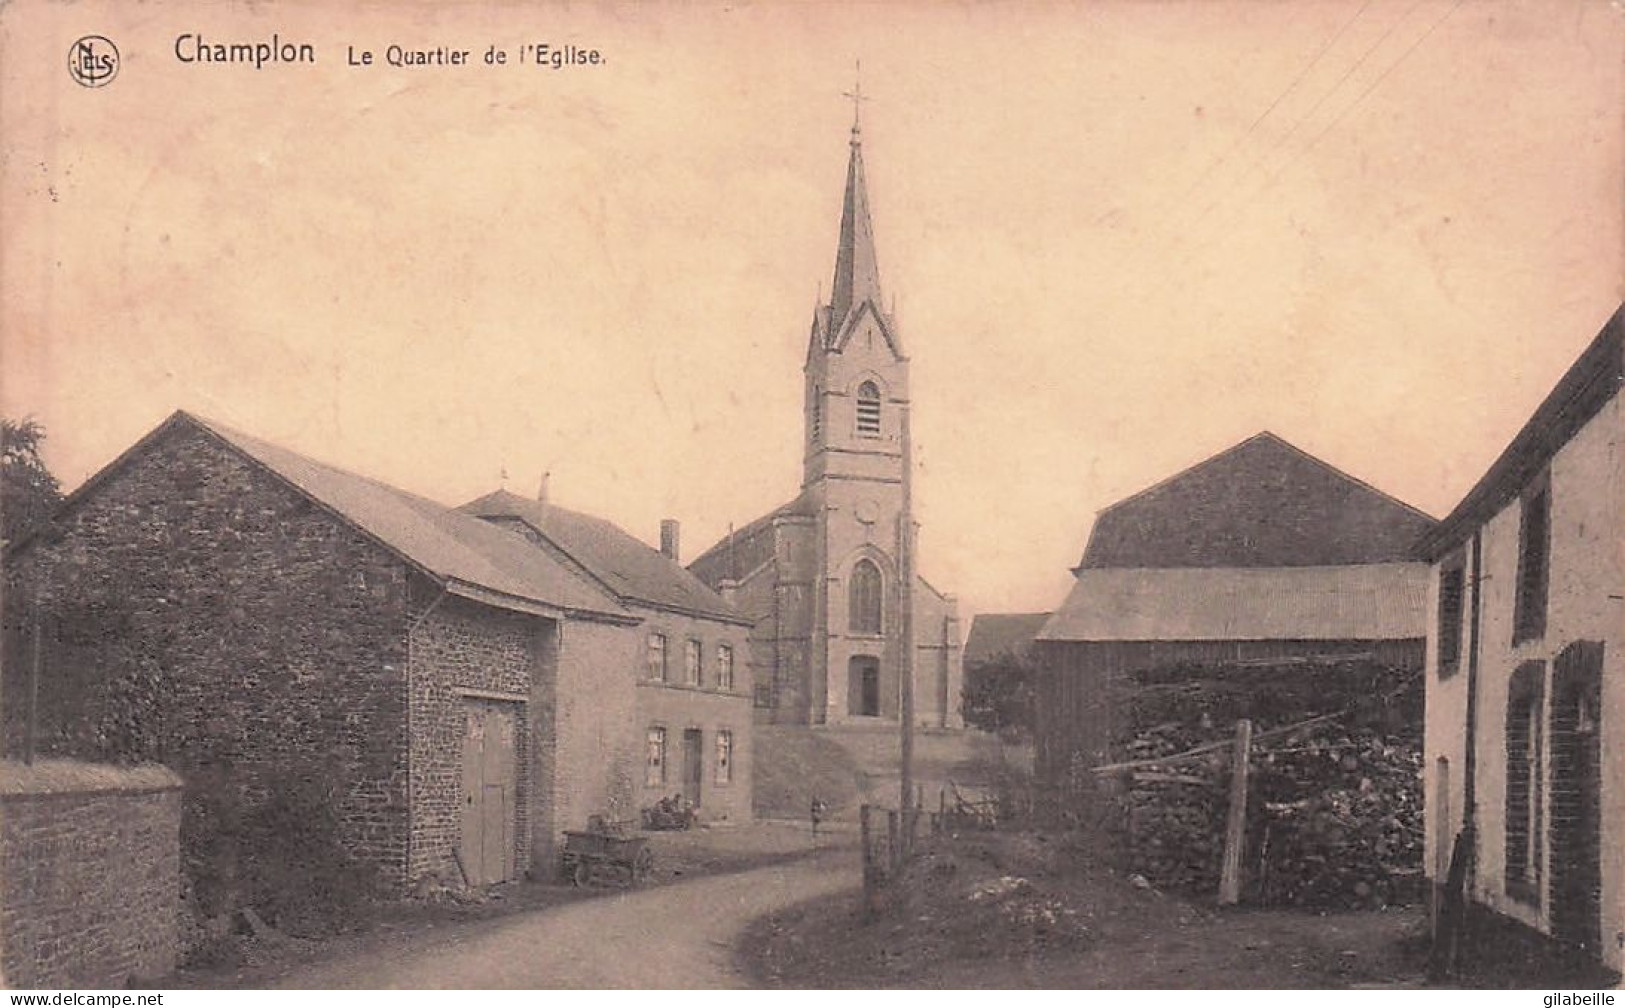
691,663
725,757
869,409
654,760
725,666
1523,805
655,659
817,413
863,598
1534,554
1451,581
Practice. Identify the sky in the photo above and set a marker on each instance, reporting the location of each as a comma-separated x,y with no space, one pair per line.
1120,238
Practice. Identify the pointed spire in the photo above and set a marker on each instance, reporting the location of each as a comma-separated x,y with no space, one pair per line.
857,272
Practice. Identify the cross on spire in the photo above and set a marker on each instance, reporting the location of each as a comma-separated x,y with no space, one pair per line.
858,97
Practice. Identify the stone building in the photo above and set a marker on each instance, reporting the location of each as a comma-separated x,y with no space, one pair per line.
1261,554
223,605
821,576
1524,679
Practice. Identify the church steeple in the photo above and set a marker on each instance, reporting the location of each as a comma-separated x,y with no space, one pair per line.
857,272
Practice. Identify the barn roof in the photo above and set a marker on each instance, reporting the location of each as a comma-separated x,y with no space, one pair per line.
1262,503
993,635
1344,603
443,540
627,566
1587,386
468,556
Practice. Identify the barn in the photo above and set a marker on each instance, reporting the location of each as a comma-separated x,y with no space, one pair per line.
1260,555
445,694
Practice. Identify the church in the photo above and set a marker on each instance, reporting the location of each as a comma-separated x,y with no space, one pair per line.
839,613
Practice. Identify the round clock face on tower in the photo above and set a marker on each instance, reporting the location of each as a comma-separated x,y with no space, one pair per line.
867,512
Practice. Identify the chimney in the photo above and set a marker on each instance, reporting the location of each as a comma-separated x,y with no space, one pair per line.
541,493
668,539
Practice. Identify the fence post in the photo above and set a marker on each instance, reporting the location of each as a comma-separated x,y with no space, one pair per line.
894,837
35,662
1235,832
866,842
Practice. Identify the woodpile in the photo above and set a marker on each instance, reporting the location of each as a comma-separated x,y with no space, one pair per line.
1338,821
1334,810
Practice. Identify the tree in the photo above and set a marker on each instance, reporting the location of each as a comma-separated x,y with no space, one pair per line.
998,694
28,491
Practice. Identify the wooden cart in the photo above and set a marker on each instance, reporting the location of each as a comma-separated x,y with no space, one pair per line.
605,855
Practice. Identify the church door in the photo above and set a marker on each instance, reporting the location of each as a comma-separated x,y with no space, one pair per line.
863,686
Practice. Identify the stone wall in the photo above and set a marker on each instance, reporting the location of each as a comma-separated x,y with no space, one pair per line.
90,890
201,613
463,652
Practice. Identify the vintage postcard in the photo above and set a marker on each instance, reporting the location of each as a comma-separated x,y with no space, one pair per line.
774,495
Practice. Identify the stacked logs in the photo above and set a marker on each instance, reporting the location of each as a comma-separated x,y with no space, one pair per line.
1334,816
1338,821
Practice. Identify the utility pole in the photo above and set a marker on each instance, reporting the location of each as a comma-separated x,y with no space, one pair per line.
905,594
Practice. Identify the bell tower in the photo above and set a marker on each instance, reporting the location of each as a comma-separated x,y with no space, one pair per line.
856,406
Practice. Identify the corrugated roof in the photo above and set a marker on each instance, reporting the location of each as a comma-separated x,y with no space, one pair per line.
630,568
995,634
1262,503
1582,392
443,541
1356,602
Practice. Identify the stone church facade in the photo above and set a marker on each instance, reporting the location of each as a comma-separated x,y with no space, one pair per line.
823,576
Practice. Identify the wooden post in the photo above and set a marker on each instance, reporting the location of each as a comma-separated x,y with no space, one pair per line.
905,624
894,837
35,661
1235,831
866,838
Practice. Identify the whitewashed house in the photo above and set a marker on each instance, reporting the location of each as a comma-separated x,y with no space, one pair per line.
1525,757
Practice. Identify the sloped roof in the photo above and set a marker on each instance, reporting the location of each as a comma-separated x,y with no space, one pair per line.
1262,503
1582,392
441,539
459,550
630,568
995,634
741,552
1358,602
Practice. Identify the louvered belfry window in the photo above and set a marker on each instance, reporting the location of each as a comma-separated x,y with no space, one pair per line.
869,409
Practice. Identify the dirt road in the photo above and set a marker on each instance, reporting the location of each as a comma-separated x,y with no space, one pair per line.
681,935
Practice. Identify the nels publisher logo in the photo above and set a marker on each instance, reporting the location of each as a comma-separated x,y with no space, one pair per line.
93,61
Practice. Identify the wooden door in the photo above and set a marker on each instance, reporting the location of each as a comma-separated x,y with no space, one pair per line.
489,778
1576,734
693,765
